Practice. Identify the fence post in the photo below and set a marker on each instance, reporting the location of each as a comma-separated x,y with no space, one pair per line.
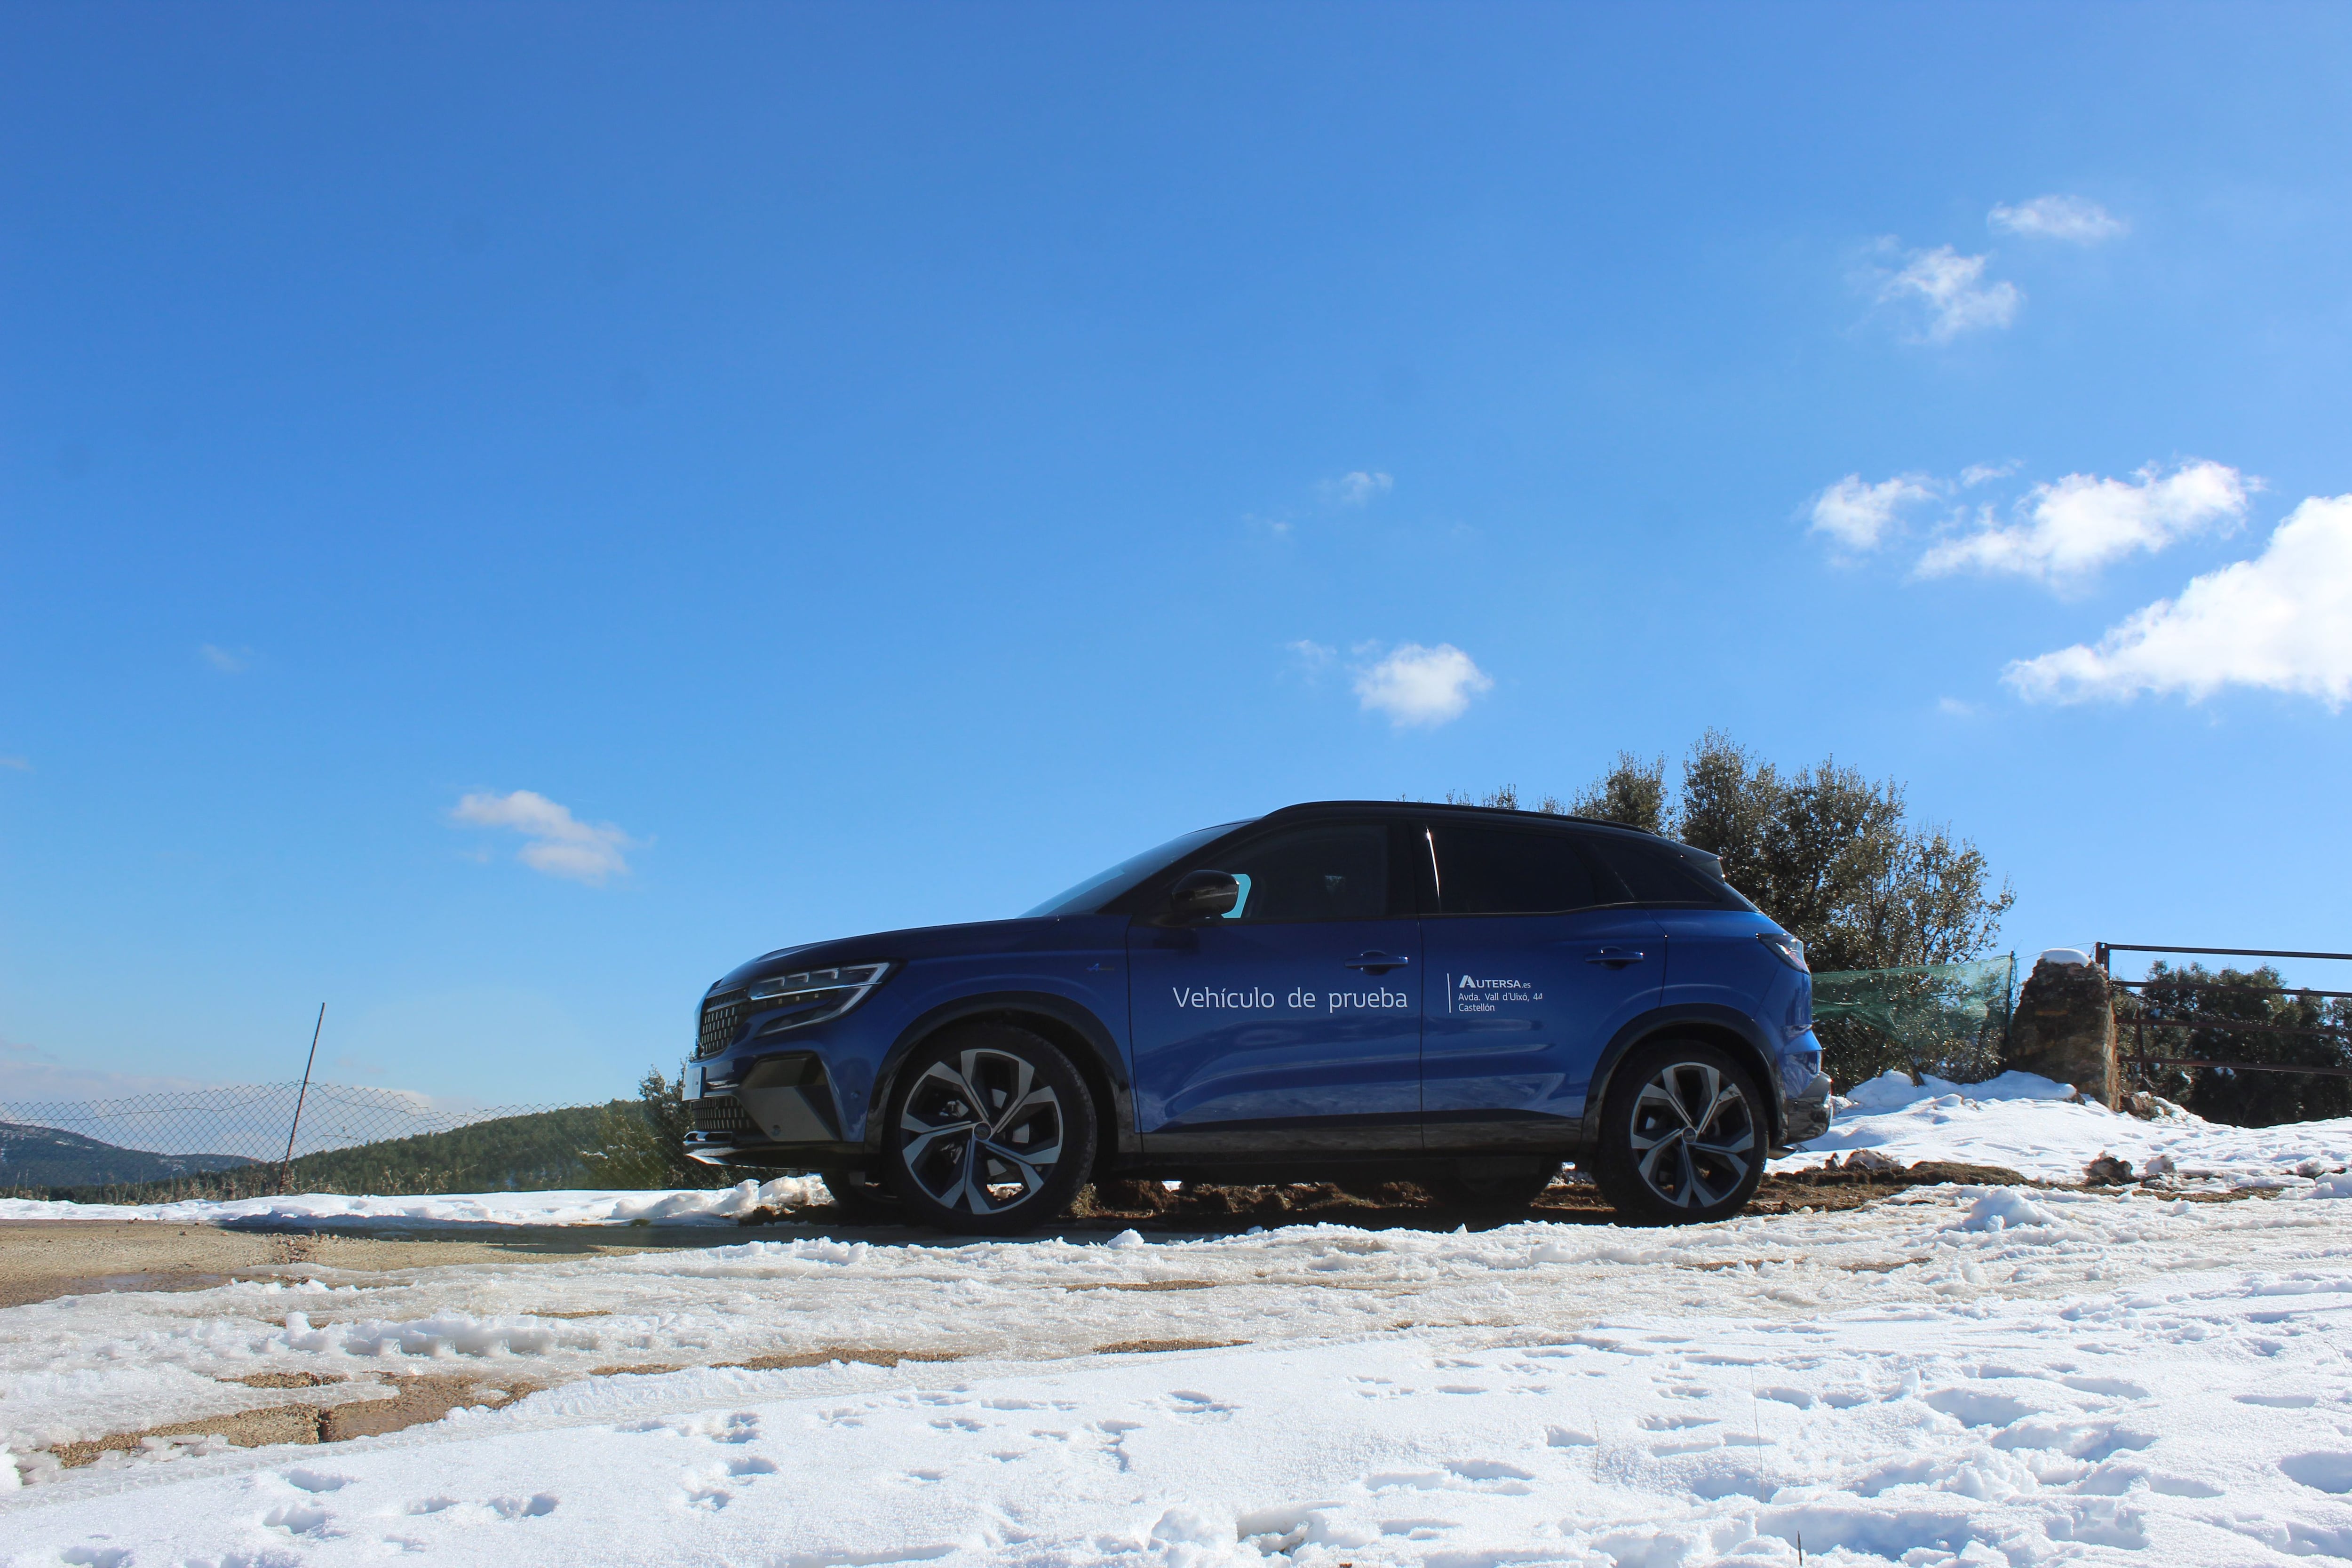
286,1166
2008,1007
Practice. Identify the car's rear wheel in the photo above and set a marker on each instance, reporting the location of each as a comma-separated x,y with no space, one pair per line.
1683,1135
991,1130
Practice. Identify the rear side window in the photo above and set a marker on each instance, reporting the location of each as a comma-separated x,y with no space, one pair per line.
1659,873
1339,871
1509,871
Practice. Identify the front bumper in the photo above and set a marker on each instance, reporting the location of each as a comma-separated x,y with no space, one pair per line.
781,1109
1808,1114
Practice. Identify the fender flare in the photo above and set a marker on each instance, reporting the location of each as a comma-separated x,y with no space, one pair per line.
1715,1020
1077,1023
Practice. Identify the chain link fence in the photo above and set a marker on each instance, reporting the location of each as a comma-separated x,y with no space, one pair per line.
1945,1020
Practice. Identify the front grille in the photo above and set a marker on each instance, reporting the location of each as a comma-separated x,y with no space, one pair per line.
721,1113
722,1016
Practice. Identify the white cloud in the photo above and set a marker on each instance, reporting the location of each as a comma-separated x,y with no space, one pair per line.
1977,473
2082,522
2078,220
1952,292
2281,622
1858,515
1312,658
1953,708
560,844
1355,488
229,661
1426,686
15,764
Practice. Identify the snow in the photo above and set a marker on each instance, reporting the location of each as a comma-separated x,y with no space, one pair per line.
2101,1378
2019,1121
722,1206
1962,1375
2031,1125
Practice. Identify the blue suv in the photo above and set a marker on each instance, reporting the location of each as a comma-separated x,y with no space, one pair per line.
1458,996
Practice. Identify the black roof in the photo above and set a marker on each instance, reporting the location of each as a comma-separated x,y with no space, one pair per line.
1447,808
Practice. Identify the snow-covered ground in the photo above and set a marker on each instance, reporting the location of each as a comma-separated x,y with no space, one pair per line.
722,1205
2028,1125
2017,1120
1962,1374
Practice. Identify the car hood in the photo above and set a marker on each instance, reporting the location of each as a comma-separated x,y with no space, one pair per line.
1048,933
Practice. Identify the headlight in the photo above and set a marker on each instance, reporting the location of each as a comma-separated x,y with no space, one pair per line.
813,996
1786,948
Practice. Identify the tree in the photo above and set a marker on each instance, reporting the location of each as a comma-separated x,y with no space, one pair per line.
1826,852
2192,993
1634,792
1830,855
644,1145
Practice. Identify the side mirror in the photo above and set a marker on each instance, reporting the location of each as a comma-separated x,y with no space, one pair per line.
1203,896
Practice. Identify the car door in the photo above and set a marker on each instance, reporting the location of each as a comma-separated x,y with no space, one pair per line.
1534,960
1292,1024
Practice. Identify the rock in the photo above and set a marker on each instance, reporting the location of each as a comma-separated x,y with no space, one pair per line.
2159,1165
1870,1160
2064,1028
2142,1104
2106,1171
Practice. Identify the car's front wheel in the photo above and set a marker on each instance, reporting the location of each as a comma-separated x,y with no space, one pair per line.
1683,1135
991,1130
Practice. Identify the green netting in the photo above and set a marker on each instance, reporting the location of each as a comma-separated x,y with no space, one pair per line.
1944,1019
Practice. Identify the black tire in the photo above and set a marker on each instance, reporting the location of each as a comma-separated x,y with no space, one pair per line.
1480,1188
1683,1135
991,1131
862,1200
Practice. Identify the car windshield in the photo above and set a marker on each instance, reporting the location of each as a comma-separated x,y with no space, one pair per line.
1104,886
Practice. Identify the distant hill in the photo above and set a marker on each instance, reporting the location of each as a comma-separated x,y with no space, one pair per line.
564,1148
44,1157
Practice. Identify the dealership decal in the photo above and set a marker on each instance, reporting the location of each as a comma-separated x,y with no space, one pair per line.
1469,994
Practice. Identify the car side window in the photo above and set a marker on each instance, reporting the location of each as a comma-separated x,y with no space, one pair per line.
1334,871
1485,870
1659,873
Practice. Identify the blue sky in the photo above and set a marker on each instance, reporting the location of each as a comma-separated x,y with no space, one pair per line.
867,465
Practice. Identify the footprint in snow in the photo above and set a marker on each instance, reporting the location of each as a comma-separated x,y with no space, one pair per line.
743,1426
1418,1529
298,1519
1491,1475
536,1506
2323,1472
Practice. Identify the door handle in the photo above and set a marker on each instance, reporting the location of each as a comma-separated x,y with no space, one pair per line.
1376,962
1615,957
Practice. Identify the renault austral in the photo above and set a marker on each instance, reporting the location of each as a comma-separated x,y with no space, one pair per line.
1462,998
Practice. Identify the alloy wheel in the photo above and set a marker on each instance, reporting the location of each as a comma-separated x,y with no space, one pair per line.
981,1133
1693,1135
